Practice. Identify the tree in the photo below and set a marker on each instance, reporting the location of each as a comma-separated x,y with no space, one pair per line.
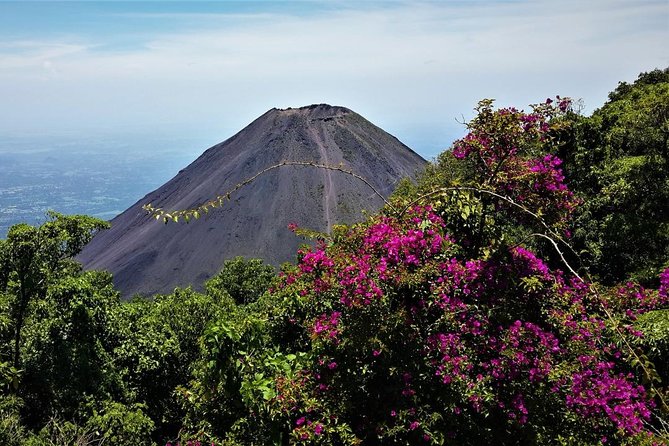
65,354
243,280
617,161
34,257
156,347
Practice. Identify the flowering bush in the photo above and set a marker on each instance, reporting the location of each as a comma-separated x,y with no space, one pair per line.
416,328
443,320
412,343
506,152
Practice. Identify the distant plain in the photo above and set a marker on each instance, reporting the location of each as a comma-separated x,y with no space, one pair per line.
71,174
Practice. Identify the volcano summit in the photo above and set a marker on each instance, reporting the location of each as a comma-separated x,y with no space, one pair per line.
148,257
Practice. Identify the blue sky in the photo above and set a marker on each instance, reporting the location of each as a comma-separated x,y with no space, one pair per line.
204,70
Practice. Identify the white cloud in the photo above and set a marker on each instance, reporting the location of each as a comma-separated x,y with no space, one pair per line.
410,68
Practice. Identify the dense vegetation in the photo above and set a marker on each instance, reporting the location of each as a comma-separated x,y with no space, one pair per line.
518,294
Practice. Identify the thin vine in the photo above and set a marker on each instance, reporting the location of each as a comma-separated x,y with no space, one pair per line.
194,213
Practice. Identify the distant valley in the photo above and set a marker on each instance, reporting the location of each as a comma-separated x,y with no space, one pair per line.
79,176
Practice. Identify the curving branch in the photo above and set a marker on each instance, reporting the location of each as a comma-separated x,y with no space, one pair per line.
219,200
505,198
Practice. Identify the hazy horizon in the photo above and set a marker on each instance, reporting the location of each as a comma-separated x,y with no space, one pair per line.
204,70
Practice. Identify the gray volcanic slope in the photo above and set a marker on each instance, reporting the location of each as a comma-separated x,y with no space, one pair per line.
148,257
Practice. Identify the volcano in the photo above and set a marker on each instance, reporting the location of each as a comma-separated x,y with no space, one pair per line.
147,257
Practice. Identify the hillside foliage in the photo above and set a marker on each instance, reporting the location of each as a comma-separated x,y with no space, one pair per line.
518,293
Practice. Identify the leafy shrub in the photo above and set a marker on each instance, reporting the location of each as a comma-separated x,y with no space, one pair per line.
120,425
58,432
243,280
11,429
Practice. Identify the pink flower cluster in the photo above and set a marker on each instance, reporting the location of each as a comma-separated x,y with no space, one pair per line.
460,282
470,143
326,326
408,247
564,104
387,248
525,349
453,363
529,264
306,429
518,411
637,300
315,260
358,283
597,390
664,284
548,175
